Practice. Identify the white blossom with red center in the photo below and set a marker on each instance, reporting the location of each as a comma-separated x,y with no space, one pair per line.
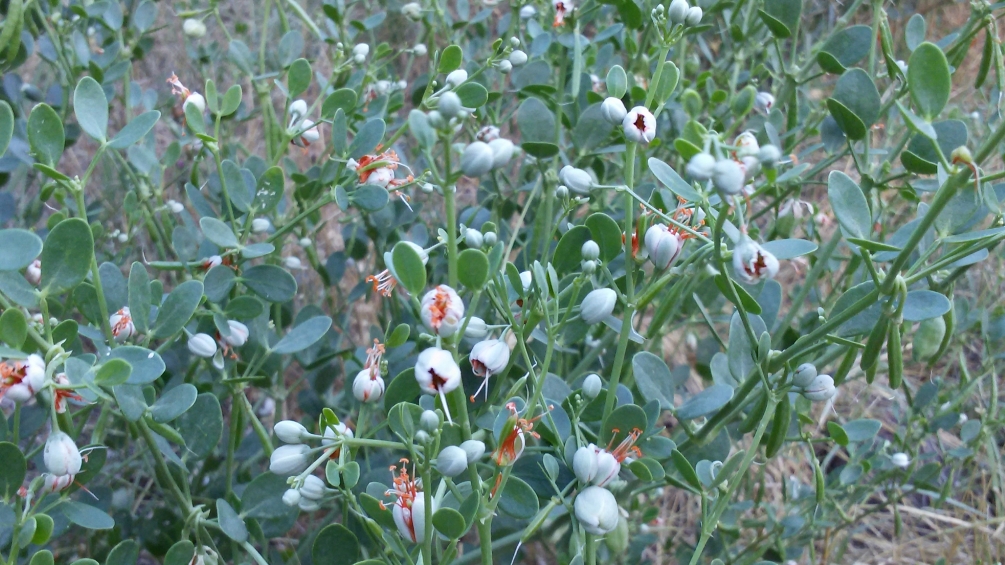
442,311
409,510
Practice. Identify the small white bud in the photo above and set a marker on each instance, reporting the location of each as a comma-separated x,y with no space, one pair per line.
694,16
61,455
291,432
598,305
194,28
457,77
502,152
820,389
289,459
476,328
305,242
490,238
412,11
900,460
473,449
518,57
804,375
429,421
613,110
197,100
527,12
449,105
597,510
473,238
259,225
175,206
504,66
361,49
577,180
592,385
590,250
451,461
202,345
677,13
291,497
293,262
419,49
477,159
728,177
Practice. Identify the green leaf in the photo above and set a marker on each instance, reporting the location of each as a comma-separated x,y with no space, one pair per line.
298,79
270,282
536,121
862,430
685,469
925,304
607,234
855,103
113,372
45,134
418,124
367,138
705,402
174,403
139,296
369,197
472,95
13,328
13,471
135,130
920,156
66,256
201,426
408,268
837,433
263,498
231,524
218,232
929,80
304,335
335,545
6,125
540,149
668,83
451,59
844,49
653,378
131,402
782,17
43,557
238,190
127,552
518,499
789,248
19,249
849,205
269,191
218,283
86,516
147,365
569,252
624,418
344,98
177,309
91,108
402,388
194,119
617,81
473,268
914,34
231,100
43,531
398,336
746,300
449,522
181,553
670,179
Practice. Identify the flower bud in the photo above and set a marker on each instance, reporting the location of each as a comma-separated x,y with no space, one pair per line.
293,262
577,180
289,431
592,385
202,345
429,420
368,386
436,371
613,110
584,464
175,206
442,311
639,125
193,28
452,461
662,245
527,12
526,280
504,66
490,238
361,49
33,273
562,191
457,77
487,134
590,250
900,460
332,435
701,167
752,263
122,325
694,15
763,102
804,375
419,49
728,177
473,239
56,483
298,111
518,57
61,455
422,437
598,305
238,334
473,449
449,105
502,151
313,488
412,11
746,145
597,510
476,328
617,540
259,225
589,267
291,497
820,389
769,155
677,13
196,100
289,459
34,372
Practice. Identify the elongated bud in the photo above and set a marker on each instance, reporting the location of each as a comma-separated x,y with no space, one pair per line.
313,488
202,345
592,385
597,510
701,167
577,180
61,455
477,159
598,305
476,328
289,431
613,110
452,461
662,246
289,459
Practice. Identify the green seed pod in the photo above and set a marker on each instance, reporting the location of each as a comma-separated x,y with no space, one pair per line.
617,540
895,357
779,427
819,483
754,417
928,338
846,364
870,355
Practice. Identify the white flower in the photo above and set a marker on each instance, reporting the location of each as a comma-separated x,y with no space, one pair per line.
900,460
502,151
293,262
804,375
212,261
694,15
33,274
562,9
677,12
381,176
122,325
728,177
259,225
489,357
452,461
238,334
746,145
763,102
175,206
527,12
361,49
437,373
477,159
592,385
476,328
473,449
34,372
598,305
412,11
419,49
442,311
517,57
197,100
289,459
639,125
56,483
701,167
368,386
596,466
613,110
822,388
487,134
331,435
577,180
752,263
289,431
313,488
202,345
597,510
61,455
308,133
298,111
662,245
457,77
193,28
411,519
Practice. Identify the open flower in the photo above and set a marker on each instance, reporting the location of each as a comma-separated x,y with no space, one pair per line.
562,9
21,380
763,102
379,169
305,133
368,385
512,440
409,510
488,357
437,373
752,263
599,467
60,396
122,325
442,311
639,125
